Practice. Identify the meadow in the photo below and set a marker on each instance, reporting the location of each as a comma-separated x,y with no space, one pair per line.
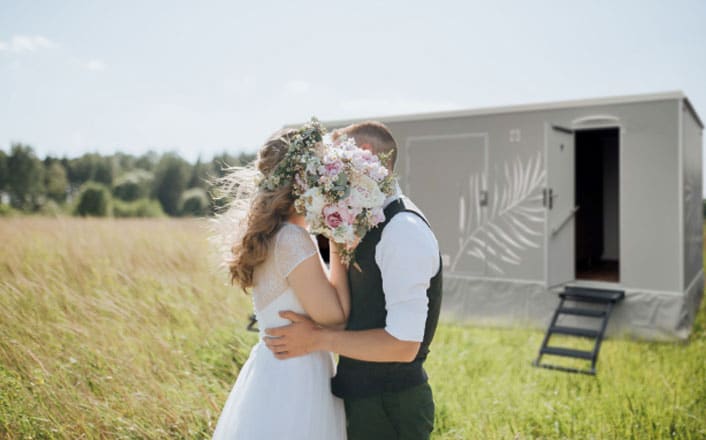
126,328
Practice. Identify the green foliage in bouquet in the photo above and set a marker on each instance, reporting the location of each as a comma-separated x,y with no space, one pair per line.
301,151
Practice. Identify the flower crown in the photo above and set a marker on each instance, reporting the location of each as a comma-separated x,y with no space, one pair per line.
299,153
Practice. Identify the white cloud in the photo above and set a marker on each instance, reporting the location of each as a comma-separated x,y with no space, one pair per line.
296,87
26,43
95,65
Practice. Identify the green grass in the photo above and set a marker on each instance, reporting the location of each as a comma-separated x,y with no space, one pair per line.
486,388
124,329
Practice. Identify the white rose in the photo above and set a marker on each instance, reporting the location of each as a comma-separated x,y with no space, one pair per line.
365,192
313,201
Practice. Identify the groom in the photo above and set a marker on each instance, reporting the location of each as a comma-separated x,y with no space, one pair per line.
395,280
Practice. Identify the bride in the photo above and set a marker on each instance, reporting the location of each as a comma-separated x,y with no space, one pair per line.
278,261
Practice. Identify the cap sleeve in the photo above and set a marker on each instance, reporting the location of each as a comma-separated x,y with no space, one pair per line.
293,246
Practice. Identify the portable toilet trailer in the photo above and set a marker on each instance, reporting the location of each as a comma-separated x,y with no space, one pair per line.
527,201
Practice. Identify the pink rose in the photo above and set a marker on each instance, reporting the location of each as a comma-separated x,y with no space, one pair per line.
339,214
334,168
332,216
334,220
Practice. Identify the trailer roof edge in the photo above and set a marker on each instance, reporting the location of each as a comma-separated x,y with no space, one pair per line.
625,99
692,110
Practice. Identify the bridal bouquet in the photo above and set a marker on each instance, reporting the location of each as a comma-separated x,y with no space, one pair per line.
340,188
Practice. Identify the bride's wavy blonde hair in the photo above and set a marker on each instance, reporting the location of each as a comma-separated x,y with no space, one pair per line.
255,214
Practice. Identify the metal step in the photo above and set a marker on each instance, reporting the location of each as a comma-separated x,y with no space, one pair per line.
582,312
574,331
568,352
606,299
592,295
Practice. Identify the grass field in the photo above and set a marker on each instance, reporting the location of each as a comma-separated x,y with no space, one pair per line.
125,329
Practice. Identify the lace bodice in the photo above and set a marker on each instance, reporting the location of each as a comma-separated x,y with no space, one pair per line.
292,245
297,390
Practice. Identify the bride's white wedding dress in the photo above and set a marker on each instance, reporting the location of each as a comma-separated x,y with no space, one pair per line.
282,399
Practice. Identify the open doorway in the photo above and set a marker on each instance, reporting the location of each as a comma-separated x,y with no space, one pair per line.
597,196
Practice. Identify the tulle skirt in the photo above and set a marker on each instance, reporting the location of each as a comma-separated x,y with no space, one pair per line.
283,399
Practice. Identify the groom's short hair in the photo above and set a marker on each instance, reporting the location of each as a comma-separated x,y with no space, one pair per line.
377,135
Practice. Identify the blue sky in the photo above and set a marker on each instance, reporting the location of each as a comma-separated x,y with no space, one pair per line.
204,77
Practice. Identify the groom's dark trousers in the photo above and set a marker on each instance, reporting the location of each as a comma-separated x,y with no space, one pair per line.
407,414
385,400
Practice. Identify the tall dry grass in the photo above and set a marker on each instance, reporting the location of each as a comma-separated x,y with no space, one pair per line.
124,329
114,329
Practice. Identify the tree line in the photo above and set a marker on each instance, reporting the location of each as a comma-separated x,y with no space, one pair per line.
120,185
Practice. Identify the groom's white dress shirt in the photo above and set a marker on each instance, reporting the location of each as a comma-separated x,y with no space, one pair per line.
408,257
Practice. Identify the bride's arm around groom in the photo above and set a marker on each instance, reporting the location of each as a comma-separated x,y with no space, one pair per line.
325,298
406,320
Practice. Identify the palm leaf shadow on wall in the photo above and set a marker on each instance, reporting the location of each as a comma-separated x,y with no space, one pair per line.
514,217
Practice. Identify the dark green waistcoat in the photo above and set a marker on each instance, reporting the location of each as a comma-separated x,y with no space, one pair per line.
356,378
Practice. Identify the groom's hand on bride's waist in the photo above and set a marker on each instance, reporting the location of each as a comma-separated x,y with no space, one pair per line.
300,337
304,336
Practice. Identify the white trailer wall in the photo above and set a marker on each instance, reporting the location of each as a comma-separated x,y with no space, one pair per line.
449,196
495,270
692,142
510,288
649,166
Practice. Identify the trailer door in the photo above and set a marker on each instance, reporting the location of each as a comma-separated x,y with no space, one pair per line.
446,177
559,200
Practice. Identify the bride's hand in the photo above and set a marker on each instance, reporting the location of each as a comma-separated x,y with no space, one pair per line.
333,246
333,252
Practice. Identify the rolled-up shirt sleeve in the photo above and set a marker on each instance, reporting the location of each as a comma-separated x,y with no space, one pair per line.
408,257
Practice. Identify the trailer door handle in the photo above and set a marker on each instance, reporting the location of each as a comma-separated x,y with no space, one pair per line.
548,198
